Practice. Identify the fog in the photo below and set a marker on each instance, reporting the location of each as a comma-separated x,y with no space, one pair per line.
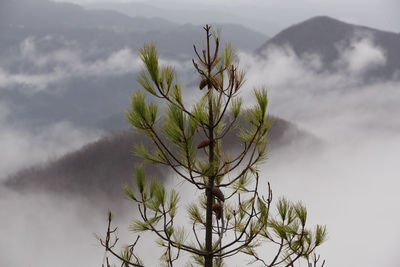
42,68
350,184
47,231
22,147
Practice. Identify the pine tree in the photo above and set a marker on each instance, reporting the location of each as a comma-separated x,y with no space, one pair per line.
232,216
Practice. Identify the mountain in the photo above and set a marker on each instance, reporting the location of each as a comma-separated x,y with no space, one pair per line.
199,14
33,17
328,38
62,62
98,170
42,14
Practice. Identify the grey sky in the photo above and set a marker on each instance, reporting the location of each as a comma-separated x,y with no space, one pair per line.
381,14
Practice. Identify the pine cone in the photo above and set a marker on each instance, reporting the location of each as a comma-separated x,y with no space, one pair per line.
204,143
217,209
218,194
203,83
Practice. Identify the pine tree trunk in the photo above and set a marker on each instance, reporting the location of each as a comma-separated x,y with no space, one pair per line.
209,257
208,262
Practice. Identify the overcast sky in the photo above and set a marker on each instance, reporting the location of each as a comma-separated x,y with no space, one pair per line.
381,14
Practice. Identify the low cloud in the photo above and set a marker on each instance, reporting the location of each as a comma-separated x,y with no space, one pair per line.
38,69
52,231
21,148
361,56
349,184
302,91
35,82
66,63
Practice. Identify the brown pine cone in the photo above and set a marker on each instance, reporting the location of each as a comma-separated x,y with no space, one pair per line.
204,143
218,193
203,83
217,209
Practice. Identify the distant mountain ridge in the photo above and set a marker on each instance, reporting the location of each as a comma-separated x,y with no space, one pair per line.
98,170
195,14
324,36
43,14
